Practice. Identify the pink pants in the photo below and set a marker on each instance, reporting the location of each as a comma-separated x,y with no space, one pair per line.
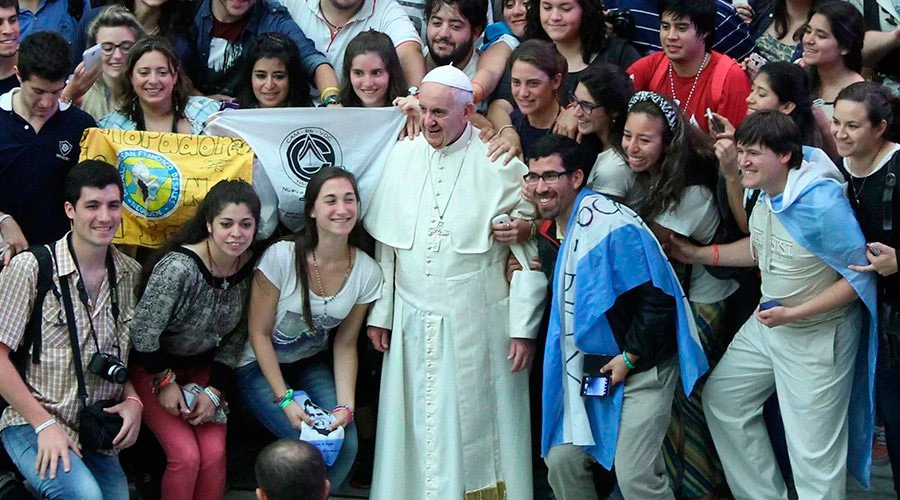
195,455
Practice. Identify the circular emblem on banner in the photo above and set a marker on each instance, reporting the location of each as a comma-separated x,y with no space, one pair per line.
306,150
152,184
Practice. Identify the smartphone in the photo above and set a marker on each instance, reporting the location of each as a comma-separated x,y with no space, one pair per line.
501,219
714,124
91,56
769,304
876,252
756,61
596,386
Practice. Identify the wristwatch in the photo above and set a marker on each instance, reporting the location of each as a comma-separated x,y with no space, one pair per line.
412,91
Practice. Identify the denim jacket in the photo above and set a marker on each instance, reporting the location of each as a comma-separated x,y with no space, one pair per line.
266,16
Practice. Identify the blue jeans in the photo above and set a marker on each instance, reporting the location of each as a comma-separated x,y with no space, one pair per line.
95,476
317,379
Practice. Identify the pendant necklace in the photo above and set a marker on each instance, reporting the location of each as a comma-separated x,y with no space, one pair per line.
693,86
857,192
437,227
234,267
321,291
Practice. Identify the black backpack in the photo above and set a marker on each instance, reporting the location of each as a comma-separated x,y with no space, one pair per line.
10,486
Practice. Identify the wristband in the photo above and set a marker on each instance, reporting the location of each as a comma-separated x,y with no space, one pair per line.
478,93
329,89
216,401
4,217
715,261
345,408
136,400
628,362
332,99
46,424
166,379
287,399
533,230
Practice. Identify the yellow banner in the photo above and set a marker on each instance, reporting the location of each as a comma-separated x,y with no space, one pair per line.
165,176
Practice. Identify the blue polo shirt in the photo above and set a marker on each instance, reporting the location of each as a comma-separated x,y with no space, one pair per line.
51,15
33,168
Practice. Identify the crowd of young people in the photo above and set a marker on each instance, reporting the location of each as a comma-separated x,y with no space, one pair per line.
724,161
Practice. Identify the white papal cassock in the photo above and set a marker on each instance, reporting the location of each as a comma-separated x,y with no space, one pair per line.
453,421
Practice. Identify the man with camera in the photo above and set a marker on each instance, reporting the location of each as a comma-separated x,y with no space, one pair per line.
63,429
618,318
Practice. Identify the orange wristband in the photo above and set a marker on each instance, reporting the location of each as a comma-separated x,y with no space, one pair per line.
478,92
715,261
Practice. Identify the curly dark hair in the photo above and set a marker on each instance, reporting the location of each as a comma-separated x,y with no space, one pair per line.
131,105
222,194
594,33
275,46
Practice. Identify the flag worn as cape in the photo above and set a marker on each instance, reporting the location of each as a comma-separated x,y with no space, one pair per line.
165,176
607,251
294,143
812,208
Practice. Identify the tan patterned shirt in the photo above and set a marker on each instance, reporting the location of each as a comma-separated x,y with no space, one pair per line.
52,381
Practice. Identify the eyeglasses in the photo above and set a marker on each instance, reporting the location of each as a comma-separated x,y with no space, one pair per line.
109,47
548,177
585,106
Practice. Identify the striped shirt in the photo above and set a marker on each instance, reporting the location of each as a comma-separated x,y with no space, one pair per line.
732,36
52,381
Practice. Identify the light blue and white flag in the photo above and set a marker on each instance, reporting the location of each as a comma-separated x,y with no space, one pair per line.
292,144
607,251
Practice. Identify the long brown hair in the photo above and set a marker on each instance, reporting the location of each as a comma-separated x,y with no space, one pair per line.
307,239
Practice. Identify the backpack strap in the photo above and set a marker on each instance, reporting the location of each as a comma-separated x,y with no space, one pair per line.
660,74
718,77
32,337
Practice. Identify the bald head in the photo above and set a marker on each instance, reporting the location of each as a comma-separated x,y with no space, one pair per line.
291,469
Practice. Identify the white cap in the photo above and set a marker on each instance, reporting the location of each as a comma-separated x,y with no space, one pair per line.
450,76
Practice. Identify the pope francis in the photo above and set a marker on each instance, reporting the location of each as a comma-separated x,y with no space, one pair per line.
453,421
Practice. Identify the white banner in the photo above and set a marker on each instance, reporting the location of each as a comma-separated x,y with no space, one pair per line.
294,143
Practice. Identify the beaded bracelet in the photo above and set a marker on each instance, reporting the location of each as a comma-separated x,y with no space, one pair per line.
46,424
628,362
287,399
347,409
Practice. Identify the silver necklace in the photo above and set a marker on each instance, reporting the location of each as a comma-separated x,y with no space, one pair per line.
693,86
321,291
437,230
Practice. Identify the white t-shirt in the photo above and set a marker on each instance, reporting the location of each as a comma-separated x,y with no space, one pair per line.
612,176
292,337
696,217
386,16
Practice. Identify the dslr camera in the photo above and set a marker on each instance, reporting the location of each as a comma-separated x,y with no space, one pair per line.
108,367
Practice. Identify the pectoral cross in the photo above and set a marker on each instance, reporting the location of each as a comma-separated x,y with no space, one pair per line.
435,233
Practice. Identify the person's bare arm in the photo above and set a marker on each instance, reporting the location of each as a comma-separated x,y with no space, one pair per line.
412,62
878,44
53,442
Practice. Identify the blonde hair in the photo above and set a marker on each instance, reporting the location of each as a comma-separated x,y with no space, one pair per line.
115,16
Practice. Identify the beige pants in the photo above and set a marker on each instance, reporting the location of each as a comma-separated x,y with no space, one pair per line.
812,370
640,470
